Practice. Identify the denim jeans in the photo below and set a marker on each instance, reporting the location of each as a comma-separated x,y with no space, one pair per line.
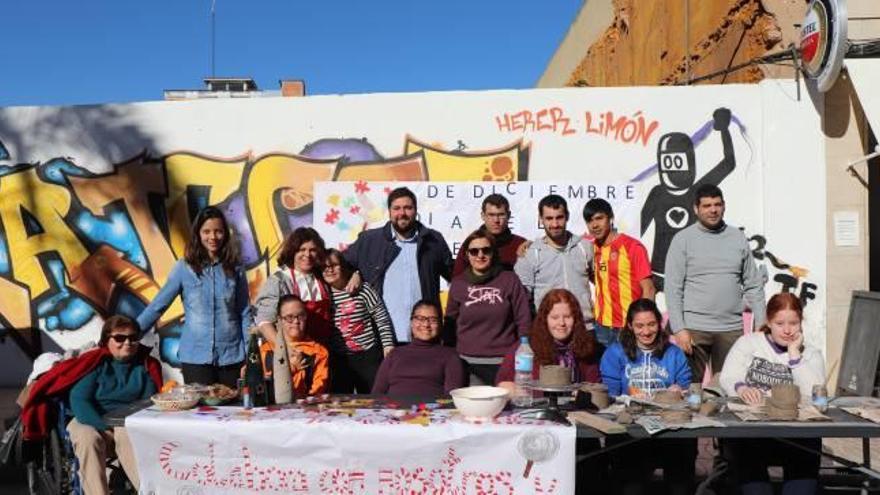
606,335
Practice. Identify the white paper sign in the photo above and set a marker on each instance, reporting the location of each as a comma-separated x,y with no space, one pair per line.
231,450
846,228
343,209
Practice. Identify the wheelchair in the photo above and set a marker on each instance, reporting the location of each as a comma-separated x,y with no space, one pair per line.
52,467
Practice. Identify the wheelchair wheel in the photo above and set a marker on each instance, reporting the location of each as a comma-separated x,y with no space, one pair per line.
50,473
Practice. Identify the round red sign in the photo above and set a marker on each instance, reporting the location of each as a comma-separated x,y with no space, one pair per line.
823,41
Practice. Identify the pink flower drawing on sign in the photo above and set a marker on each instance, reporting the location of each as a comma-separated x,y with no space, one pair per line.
332,216
361,187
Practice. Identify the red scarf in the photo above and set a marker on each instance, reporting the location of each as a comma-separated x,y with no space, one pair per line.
38,413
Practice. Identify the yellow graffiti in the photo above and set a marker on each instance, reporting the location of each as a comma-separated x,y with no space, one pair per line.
34,211
48,204
293,177
501,165
184,170
405,168
15,304
131,182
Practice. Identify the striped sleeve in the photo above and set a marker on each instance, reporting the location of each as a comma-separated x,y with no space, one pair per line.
379,313
641,266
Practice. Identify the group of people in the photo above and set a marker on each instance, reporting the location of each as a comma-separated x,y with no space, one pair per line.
369,320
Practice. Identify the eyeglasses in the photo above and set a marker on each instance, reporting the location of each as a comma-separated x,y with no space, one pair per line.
122,337
431,320
292,318
474,251
331,266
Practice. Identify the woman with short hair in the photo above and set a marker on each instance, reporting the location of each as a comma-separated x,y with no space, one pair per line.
300,263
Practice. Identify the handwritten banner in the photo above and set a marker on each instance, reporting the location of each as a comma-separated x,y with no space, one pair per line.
236,451
343,209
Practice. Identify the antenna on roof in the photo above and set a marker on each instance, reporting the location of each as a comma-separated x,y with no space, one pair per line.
213,37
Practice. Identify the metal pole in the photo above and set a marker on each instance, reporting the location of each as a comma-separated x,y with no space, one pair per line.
687,41
213,37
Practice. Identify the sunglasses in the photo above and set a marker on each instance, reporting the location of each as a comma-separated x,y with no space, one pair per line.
474,251
120,338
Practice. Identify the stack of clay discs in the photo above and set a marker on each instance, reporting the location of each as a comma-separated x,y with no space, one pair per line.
675,416
783,402
554,376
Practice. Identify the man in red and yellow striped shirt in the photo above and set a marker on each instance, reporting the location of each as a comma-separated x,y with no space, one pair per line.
622,271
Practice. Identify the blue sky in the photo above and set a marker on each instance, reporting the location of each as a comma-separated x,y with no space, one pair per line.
89,51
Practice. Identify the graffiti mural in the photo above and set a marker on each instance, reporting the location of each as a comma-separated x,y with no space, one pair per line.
669,204
97,201
75,244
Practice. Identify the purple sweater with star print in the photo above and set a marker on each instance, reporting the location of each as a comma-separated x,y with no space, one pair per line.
488,318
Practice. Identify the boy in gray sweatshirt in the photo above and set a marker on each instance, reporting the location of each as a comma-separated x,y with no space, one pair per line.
709,270
558,260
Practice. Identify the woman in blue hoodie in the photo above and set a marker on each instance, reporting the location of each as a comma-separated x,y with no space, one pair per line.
642,362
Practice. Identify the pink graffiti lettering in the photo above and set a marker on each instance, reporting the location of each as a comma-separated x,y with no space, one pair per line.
546,119
622,128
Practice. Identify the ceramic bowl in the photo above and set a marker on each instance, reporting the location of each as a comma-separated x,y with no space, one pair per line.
481,402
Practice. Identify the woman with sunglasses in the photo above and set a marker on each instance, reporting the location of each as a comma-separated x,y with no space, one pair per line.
214,290
362,332
424,368
113,375
487,311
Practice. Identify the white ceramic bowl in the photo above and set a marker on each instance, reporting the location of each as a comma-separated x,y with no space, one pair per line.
481,402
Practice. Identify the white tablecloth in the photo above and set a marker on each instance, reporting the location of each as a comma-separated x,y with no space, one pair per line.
231,450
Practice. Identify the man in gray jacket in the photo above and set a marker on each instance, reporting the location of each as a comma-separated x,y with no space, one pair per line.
709,270
559,259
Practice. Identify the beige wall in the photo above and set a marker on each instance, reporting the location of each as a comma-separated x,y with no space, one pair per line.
847,134
606,30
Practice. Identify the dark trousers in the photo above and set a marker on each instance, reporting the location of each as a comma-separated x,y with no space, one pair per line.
355,373
710,346
633,465
749,458
208,374
481,374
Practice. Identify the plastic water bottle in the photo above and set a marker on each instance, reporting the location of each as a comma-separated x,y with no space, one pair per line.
522,367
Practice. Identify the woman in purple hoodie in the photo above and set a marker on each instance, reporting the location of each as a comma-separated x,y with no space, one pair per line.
487,311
